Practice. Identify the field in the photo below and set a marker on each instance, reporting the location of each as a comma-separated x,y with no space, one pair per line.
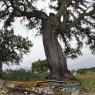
87,79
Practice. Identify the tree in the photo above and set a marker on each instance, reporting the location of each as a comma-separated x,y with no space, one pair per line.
12,48
40,65
73,19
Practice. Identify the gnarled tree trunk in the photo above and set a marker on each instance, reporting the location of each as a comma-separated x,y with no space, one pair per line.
55,56
0,70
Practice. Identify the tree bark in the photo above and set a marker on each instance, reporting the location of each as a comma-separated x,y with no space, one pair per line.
0,70
55,57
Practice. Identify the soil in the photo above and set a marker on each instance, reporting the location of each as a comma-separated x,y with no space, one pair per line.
87,93
16,93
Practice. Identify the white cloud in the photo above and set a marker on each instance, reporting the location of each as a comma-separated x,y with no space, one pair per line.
37,51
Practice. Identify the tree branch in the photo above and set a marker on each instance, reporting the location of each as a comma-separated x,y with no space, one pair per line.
81,16
92,24
4,1
63,12
35,13
63,8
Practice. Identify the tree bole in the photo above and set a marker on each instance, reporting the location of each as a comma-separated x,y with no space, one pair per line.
0,70
55,57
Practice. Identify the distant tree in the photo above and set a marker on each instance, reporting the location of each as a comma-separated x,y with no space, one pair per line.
39,66
12,48
18,75
71,19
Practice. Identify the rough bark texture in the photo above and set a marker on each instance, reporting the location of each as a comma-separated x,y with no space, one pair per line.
0,70
55,56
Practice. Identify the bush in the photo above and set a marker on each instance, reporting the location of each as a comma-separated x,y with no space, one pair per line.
23,75
20,75
81,71
39,66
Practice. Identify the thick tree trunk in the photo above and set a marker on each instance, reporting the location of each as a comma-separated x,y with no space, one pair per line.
55,56
0,70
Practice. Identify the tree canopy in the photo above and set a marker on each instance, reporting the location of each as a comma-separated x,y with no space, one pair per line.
76,20
12,47
40,65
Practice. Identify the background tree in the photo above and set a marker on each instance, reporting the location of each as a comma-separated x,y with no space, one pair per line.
73,19
39,66
12,48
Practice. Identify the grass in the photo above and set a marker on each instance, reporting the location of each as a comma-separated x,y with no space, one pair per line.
85,76
22,75
87,79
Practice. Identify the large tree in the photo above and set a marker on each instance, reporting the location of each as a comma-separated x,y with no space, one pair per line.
73,19
12,48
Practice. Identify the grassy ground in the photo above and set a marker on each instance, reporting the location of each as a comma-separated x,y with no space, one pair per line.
85,76
87,79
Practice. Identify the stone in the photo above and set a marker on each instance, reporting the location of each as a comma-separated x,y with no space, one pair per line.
3,89
48,87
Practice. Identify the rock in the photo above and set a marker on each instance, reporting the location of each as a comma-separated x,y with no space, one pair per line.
48,87
3,89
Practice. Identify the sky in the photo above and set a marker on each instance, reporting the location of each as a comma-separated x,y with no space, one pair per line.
37,51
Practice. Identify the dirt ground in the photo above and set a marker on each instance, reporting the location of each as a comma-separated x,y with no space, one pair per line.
16,93
87,93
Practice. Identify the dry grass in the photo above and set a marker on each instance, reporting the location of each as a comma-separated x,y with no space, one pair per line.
87,93
87,81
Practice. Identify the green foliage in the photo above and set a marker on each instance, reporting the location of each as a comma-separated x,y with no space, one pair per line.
81,71
39,72
87,79
12,47
78,23
39,76
22,75
39,66
85,70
